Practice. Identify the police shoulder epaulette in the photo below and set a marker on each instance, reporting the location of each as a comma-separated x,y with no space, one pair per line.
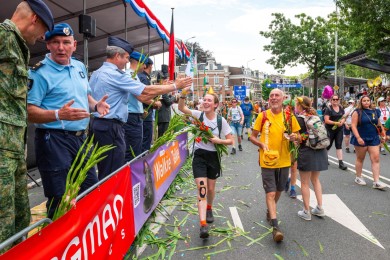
37,66
6,26
120,71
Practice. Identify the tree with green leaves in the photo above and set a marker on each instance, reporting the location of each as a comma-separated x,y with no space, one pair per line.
368,24
311,42
202,54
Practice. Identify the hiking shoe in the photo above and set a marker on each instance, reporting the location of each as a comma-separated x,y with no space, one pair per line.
287,187
342,166
239,147
378,185
277,234
318,212
360,181
383,152
233,151
347,150
293,194
304,215
204,232
209,216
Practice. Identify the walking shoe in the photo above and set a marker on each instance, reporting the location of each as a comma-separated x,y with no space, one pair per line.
287,187
342,166
239,147
378,185
304,214
360,181
204,232
209,216
383,152
233,151
277,234
293,194
318,212
347,150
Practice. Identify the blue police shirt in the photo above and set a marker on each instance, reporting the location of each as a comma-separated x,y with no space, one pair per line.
54,85
108,79
134,105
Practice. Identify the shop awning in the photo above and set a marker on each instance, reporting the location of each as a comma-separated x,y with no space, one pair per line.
110,20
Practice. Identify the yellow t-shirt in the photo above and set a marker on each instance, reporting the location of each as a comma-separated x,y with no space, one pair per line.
276,141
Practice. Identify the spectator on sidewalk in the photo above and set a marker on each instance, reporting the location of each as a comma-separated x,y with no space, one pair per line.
274,157
206,164
365,123
164,113
29,22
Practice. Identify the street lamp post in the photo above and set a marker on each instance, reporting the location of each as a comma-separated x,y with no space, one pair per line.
248,62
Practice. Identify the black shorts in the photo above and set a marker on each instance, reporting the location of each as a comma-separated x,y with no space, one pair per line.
274,179
206,164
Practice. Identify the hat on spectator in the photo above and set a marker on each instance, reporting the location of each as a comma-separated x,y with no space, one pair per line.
119,42
60,29
43,12
381,99
351,101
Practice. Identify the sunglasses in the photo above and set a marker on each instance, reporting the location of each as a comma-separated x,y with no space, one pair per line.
335,99
234,101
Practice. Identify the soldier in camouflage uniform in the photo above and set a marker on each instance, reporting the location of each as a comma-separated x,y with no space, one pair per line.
29,23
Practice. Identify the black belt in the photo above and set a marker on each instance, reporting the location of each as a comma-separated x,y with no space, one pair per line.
112,120
65,132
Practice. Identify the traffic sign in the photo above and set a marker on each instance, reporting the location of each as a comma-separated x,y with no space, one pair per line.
274,85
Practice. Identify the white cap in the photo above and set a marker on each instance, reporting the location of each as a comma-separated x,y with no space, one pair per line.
381,99
351,101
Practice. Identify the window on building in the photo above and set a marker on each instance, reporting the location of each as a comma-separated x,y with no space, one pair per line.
226,82
216,79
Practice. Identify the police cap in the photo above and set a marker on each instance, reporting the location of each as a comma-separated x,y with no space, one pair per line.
60,29
118,42
149,61
43,12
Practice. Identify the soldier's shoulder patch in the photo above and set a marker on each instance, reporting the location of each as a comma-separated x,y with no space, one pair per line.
37,66
120,71
30,83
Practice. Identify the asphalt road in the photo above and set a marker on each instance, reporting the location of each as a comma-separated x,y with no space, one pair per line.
356,226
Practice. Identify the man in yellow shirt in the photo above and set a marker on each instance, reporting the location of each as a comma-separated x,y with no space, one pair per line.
275,158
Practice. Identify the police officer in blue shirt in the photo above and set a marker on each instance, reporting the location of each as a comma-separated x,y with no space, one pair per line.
59,102
134,125
112,80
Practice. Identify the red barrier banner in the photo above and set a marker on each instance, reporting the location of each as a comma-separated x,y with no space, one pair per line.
100,226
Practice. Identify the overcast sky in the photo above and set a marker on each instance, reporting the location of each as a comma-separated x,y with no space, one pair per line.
230,28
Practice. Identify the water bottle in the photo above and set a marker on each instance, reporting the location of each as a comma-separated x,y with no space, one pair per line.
312,138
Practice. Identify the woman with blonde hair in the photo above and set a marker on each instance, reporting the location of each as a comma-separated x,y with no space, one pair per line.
310,161
368,134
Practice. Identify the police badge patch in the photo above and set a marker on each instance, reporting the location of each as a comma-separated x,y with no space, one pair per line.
30,83
66,31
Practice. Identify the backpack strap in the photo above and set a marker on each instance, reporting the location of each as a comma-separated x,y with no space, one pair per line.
263,119
219,125
201,120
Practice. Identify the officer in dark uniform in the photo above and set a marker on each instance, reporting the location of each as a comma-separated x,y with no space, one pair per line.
112,80
59,103
145,78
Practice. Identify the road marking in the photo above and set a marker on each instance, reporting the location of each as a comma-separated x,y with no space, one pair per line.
336,209
236,218
365,175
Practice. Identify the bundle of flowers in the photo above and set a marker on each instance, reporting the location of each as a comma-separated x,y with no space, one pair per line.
87,157
287,122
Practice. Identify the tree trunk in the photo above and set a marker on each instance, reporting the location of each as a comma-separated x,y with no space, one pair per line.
315,90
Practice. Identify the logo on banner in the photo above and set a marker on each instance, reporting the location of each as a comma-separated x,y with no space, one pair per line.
165,164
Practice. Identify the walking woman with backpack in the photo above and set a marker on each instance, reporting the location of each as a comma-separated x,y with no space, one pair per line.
206,166
334,121
368,134
310,159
